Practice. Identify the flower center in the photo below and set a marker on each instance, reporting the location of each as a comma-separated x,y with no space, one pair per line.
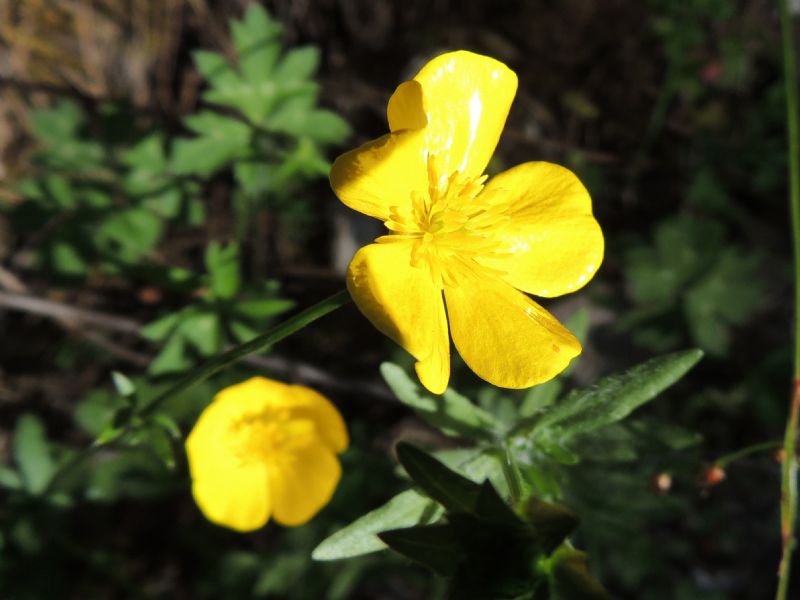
259,435
451,226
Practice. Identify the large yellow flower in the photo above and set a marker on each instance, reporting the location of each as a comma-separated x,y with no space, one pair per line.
263,448
458,241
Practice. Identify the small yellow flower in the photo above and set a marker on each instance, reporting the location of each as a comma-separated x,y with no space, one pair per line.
263,448
458,241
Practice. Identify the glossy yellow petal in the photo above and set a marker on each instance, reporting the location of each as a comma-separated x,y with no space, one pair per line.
302,476
402,302
464,99
382,173
550,243
505,337
406,108
229,491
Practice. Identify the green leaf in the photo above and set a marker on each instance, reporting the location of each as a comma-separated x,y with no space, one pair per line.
616,396
262,309
435,546
172,358
203,331
297,64
404,510
540,397
130,234
257,40
322,126
214,67
32,454
10,479
452,413
220,140
570,578
159,329
456,493
66,259
223,269
96,410
125,387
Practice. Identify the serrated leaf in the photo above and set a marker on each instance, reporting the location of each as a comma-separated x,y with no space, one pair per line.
257,41
297,64
214,67
456,493
616,396
452,413
220,140
32,454
407,509
434,546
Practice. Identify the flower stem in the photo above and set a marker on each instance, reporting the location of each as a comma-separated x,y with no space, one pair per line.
724,461
789,474
274,335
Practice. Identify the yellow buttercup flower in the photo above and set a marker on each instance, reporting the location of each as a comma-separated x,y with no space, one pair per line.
460,242
264,449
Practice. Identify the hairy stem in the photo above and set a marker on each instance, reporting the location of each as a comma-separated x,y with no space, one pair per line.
789,474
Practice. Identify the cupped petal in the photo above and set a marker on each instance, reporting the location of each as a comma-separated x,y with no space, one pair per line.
550,243
259,394
403,303
382,173
229,491
305,403
463,100
504,336
302,476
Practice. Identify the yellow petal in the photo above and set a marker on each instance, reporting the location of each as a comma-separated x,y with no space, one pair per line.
259,393
464,98
505,337
305,403
229,491
303,477
406,108
382,173
550,244
402,302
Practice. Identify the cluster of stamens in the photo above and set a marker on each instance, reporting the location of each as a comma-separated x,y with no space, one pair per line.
258,434
451,226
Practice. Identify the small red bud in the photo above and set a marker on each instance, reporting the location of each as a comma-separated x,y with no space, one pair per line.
713,475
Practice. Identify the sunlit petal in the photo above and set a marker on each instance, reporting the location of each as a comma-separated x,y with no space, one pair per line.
464,99
505,337
382,173
551,243
402,302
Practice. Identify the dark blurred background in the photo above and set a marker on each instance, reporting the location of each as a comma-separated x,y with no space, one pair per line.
672,113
